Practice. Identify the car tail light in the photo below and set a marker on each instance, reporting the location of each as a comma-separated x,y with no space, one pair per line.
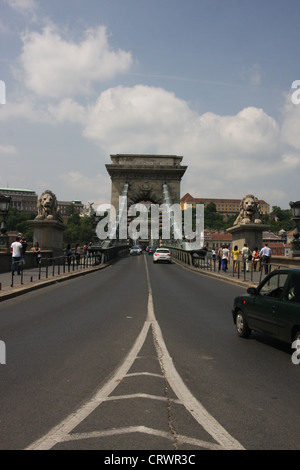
155,254
169,254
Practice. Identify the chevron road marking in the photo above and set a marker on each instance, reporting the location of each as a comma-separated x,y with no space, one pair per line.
62,432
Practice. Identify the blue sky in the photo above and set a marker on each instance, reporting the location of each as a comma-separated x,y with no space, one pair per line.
206,79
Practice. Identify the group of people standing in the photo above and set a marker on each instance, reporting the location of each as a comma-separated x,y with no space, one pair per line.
18,249
78,252
256,256
19,246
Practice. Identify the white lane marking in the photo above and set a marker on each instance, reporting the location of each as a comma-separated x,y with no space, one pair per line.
141,395
142,430
135,374
61,432
194,407
58,433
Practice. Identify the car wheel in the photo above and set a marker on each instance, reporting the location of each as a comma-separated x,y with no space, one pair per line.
241,324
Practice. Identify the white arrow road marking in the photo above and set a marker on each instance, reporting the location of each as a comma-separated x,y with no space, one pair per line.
61,432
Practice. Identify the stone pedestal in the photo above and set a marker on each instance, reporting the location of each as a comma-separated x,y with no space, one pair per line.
250,233
49,235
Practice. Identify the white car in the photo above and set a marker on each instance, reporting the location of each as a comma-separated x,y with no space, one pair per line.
162,254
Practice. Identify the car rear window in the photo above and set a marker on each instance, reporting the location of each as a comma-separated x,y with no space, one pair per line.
274,286
293,290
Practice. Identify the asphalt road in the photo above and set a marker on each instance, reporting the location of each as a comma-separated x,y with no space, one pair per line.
141,356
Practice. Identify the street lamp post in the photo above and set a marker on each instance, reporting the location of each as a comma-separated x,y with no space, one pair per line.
295,206
4,207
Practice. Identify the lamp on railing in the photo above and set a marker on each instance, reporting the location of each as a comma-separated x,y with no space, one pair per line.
295,207
4,207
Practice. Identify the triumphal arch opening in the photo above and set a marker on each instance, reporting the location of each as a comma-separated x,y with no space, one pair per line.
145,178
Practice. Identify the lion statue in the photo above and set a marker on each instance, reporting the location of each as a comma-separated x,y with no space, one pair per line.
249,211
47,207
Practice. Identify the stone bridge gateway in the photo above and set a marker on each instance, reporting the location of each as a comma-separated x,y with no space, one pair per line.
145,175
145,178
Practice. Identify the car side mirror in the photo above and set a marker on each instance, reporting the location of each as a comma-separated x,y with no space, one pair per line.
252,291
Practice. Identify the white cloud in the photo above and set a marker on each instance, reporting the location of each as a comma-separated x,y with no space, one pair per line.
52,66
96,186
136,119
24,106
7,149
291,123
22,5
144,119
68,110
252,74
28,8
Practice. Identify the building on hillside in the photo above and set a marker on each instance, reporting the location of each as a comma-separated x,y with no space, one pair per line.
280,248
64,206
24,200
270,237
214,239
224,207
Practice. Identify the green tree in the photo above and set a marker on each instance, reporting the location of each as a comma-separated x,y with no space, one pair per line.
212,219
18,222
79,229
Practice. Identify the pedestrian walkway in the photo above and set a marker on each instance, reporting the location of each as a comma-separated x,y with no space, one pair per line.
34,278
246,279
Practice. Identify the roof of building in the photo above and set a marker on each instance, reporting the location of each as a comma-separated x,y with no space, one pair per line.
188,198
17,189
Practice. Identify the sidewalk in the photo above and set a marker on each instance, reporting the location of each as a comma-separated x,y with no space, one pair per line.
244,279
35,278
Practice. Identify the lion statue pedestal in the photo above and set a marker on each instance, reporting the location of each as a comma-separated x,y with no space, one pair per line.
248,227
48,225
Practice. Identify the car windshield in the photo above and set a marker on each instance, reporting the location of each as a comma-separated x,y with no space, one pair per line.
160,250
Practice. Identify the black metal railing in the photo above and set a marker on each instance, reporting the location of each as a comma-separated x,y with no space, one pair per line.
50,267
252,271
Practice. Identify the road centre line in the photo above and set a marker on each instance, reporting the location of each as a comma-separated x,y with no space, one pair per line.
61,432
192,405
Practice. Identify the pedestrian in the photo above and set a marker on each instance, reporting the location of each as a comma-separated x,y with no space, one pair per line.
37,253
17,254
85,252
255,258
69,255
266,254
225,258
24,247
78,254
246,256
235,256
220,254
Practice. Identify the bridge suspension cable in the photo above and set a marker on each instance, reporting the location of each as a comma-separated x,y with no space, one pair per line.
174,214
122,212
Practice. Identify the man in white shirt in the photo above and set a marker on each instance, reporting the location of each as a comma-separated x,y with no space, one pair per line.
17,253
266,253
